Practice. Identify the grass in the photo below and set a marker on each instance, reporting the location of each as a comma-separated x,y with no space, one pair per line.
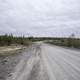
68,42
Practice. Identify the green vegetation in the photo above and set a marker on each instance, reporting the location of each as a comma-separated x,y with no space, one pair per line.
7,40
11,45
69,42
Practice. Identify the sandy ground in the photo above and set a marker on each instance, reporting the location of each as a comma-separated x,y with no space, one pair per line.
42,62
10,48
31,66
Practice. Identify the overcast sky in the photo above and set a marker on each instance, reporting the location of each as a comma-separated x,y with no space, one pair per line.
40,17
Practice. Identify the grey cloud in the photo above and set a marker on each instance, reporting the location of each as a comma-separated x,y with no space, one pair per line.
40,17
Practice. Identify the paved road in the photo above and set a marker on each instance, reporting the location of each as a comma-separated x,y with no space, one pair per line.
47,62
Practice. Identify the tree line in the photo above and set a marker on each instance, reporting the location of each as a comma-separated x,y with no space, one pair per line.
10,39
71,41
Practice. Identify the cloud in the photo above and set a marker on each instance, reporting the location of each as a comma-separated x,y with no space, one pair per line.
40,17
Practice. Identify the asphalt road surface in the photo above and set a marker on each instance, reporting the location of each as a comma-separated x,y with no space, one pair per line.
48,62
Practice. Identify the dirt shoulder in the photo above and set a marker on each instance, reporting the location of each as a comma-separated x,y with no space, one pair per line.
30,66
27,65
10,50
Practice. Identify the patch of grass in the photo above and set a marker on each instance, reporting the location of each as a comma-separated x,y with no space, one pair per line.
68,42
